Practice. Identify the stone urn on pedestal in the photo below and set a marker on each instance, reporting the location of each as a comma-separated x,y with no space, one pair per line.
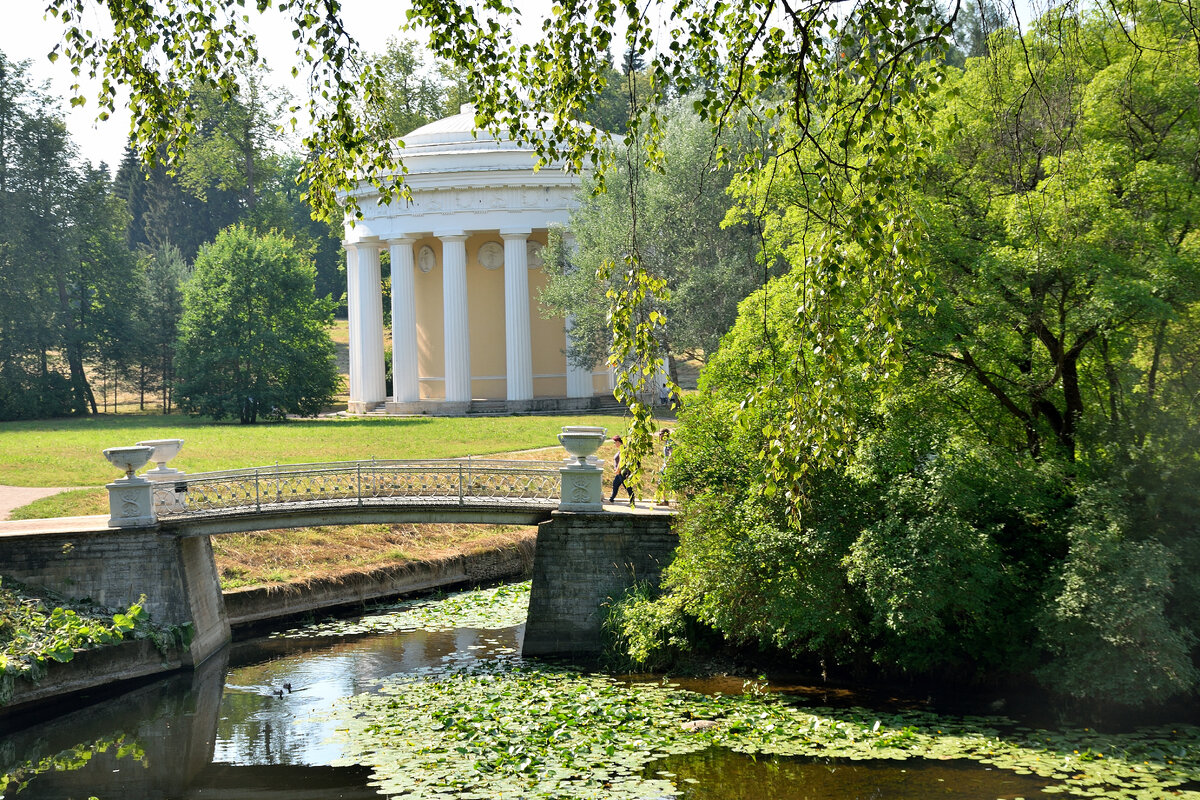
582,477
130,503
169,498
164,451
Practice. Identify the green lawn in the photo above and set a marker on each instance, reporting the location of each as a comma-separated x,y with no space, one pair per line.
67,452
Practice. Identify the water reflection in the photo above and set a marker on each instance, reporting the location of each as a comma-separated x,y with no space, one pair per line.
248,722
717,774
274,710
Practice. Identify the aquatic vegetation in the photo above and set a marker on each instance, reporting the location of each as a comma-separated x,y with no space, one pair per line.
515,729
503,606
36,630
18,777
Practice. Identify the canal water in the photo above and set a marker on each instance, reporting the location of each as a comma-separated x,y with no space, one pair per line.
256,722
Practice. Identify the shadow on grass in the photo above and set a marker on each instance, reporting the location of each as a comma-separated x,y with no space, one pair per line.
124,422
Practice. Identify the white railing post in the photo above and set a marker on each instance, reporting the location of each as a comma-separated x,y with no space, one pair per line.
257,495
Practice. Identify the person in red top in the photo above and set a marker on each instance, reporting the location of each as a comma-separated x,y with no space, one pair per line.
622,474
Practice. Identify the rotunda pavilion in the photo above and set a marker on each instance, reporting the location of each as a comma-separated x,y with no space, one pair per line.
465,273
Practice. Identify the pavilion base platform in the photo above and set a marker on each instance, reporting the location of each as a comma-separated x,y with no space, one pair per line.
539,405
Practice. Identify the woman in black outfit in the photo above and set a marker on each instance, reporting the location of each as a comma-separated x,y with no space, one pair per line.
621,475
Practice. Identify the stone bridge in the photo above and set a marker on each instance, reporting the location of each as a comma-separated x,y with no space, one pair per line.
157,540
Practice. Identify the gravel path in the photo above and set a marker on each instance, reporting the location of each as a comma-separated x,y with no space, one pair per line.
16,496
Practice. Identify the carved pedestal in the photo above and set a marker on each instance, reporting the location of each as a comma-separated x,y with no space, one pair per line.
131,503
582,488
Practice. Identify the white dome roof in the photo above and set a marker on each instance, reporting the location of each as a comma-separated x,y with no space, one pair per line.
453,128
465,179
454,144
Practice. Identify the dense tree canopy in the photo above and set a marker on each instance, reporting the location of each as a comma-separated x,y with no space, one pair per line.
68,287
414,90
254,338
1013,497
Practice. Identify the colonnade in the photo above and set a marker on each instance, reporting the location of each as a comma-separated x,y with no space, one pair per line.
365,307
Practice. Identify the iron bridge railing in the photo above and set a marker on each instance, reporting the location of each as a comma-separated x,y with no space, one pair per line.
463,482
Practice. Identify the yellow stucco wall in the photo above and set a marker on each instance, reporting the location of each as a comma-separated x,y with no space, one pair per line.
430,341
485,306
549,339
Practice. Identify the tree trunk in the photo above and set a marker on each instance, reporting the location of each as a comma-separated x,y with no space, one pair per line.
84,397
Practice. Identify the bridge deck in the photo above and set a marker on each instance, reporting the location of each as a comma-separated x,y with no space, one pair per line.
448,509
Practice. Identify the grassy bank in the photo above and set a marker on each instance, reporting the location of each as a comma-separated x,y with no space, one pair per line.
67,452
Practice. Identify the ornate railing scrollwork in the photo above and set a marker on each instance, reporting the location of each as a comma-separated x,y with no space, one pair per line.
340,484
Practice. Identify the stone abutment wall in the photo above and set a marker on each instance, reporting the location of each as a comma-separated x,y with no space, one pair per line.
583,561
116,566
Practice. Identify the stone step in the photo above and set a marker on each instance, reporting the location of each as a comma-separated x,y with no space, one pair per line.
487,407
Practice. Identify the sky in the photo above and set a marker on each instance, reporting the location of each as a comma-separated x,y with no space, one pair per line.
27,35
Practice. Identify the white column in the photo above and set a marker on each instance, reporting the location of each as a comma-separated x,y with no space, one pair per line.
579,380
517,346
366,327
354,317
456,326
406,387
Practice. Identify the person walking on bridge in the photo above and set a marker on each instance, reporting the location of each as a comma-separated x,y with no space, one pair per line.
621,473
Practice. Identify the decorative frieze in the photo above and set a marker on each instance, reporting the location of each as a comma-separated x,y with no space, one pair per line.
441,201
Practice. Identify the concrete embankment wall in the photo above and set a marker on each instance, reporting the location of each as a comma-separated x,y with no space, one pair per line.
264,603
140,659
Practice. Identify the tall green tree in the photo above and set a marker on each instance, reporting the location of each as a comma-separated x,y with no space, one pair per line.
678,218
282,207
1064,232
69,289
131,185
254,338
163,273
232,148
31,382
414,90
977,21
165,212
97,285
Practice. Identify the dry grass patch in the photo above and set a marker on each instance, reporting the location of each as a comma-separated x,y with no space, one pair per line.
305,554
